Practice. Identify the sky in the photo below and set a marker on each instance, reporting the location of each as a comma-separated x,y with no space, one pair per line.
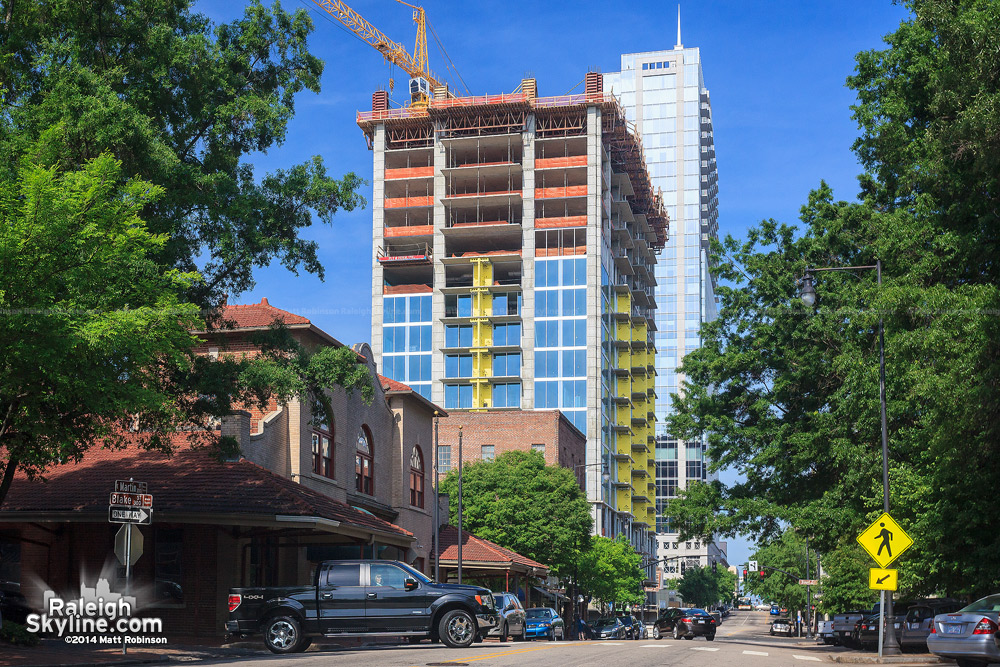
776,72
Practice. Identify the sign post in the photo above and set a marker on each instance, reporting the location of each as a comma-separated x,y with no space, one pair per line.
129,504
884,541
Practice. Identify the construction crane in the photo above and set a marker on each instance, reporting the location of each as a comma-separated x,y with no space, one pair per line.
422,82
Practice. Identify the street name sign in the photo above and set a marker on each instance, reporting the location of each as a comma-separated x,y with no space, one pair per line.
140,515
883,580
884,540
122,486
131,499
808,582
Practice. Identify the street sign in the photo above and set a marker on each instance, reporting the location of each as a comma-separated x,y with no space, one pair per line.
884,540
752,566
122,486
131,499
141,515
808,582
122,548
883,580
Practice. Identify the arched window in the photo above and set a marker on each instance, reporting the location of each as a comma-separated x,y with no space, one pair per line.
417,477
322,449
364,465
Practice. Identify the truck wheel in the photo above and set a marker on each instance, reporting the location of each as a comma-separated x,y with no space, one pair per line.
282,634
457,629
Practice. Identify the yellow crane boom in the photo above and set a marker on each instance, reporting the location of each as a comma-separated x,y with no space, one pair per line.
394,52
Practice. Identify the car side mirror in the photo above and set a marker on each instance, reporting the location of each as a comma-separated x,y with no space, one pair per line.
409,584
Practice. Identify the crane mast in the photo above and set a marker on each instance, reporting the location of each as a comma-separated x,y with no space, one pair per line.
422,82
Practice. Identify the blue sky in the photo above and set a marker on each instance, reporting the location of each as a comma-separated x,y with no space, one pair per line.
775,70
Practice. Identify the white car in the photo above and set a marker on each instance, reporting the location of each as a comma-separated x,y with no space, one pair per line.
763,607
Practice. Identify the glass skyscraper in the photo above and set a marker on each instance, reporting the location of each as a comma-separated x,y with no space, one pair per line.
664,94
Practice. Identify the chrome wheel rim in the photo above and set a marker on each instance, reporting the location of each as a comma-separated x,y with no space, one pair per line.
459,629
281,634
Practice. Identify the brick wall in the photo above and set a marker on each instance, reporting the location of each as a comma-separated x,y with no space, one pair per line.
514,430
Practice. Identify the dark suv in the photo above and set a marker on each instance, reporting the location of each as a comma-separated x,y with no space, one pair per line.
686,623
349,598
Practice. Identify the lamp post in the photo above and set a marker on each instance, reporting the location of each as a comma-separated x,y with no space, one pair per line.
459,504
889,645
605,477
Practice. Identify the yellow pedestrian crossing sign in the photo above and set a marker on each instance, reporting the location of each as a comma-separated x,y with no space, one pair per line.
884,540
883,580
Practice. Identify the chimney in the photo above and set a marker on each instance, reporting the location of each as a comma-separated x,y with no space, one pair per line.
380,100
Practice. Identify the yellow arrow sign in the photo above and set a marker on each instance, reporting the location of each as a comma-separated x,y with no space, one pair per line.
884,540
883,580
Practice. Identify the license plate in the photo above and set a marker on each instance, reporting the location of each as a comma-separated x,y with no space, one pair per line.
914,626
699,621
953,629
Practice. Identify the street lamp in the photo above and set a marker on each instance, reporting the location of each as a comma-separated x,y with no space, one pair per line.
807,292
605,475
437,504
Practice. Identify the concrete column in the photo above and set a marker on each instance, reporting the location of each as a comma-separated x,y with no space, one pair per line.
594,227
378,237
528,265
437,306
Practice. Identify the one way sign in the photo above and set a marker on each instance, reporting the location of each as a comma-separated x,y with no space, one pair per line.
140,515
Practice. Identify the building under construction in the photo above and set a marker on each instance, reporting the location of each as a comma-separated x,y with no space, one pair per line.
514,243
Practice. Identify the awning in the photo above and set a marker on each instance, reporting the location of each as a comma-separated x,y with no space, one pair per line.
552,595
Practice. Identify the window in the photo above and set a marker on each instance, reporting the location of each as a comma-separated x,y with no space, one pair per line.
343,574
444,458
488,452
364,464
458,305
540,448
167,559
388,576
458,396
417,478
507,364
458,336
507,395
458,365
322,450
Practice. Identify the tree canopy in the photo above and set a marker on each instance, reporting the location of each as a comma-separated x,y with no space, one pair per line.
522,504
789,396
611,571
129,209
701,587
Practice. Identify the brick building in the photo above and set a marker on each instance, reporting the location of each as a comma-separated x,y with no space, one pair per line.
486,435
300,493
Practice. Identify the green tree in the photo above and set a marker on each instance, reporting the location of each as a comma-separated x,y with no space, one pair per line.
94,95
702,587
611,572
522,504
790,397
784,561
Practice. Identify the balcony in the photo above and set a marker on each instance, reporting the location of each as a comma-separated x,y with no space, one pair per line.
405,255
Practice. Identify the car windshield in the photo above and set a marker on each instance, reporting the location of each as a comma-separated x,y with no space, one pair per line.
538,613
606,621
988,603
691,612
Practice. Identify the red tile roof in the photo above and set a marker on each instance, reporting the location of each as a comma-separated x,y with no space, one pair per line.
261,314
480,550
190,481
393,385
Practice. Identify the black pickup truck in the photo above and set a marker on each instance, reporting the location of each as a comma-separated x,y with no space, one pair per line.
368,598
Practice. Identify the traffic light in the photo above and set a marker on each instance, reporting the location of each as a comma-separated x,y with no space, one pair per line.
682,567
744,574
761,573
715,566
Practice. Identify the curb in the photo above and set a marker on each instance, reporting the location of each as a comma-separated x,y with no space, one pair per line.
145,661
894,659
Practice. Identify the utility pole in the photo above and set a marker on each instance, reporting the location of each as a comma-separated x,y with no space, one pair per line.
459,504
437,504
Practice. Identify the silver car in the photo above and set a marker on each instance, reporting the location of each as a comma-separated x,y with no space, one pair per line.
967,634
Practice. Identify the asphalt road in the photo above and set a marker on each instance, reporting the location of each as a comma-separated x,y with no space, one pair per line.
741,641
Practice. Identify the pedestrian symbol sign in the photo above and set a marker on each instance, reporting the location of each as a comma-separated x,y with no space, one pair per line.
883,580
884,540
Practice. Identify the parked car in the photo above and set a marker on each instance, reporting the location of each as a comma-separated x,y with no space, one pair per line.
919,620
686,623
350,598
609,627
824,632
545,622
866,630
633,627
717,615
763,606
843,626
775,610
966,635
782,626
511,619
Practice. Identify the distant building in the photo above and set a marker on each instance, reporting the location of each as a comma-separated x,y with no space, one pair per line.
664,93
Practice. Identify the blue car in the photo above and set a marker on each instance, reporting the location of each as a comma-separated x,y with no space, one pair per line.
544,622
775,610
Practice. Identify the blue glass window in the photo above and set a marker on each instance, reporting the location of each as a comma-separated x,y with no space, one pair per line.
574,333
424,390
546,334
574,363
465,305
420,368
574,393
458,396
458,365
394,310
507,364
395,366
507,395
507,334
578,418
420,308
547,364
546,394
574,302
394,340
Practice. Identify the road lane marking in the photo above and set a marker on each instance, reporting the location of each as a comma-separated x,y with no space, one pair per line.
806,657
703,648
609,643
655,645
499,655
763,653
